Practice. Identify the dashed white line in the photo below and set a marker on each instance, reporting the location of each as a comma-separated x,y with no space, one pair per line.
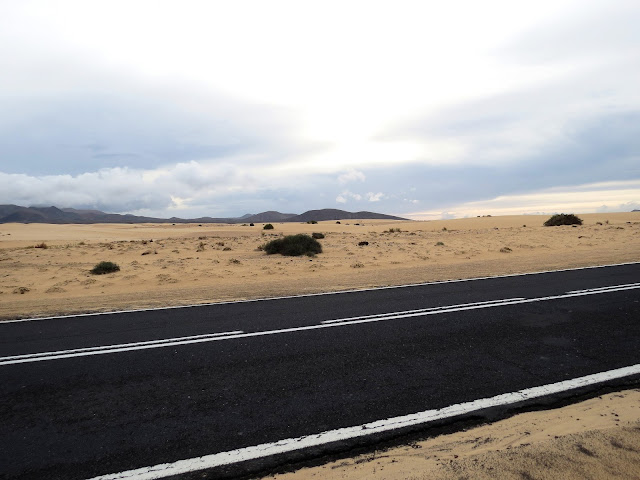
122,347
599,289
292,444
420,311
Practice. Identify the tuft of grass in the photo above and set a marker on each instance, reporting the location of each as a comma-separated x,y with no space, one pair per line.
505,250
394,230
268,226
312,222
294,245
41,245
317,235
357,265
440,244
105,267
563,219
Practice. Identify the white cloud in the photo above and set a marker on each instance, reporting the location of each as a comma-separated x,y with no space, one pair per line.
346,195
375,197
352,175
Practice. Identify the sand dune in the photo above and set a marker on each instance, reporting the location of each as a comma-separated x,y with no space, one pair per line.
186,263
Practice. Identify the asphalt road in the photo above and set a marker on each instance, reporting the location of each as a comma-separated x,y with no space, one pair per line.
93,395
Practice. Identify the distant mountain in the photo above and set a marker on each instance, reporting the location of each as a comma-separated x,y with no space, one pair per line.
270,216
18,214
334,214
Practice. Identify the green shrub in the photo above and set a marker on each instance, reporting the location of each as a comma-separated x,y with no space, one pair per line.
294,245
312,222
317,235
105,267
268,226
563,219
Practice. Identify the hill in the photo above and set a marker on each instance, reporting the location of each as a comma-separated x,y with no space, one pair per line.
18,214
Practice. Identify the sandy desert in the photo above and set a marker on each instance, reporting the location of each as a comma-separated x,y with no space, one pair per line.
45,271
167,265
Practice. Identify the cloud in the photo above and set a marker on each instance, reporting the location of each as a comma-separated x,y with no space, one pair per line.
346,195
352,175
375,197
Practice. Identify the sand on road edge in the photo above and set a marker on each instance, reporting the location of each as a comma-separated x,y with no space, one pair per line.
594,439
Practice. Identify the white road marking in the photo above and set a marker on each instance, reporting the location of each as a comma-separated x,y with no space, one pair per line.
122,347
292,444
489,303
339,292
172,342
604,288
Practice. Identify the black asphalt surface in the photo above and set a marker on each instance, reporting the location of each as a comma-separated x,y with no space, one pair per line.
80,417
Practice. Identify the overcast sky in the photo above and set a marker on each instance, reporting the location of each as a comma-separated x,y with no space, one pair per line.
423,109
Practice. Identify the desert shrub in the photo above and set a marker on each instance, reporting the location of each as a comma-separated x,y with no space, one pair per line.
505,250
312,222
563,219
41,245
394,230
294,245
362,244
268,226
338,222
440,244
251,225
105,267
317,235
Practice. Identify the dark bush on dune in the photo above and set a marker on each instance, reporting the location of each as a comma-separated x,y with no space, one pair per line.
268,226
317,235
563,219
105,267
294,245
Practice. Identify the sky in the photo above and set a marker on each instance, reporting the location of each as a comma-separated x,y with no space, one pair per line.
421,109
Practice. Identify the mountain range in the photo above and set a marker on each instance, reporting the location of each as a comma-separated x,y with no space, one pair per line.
18,214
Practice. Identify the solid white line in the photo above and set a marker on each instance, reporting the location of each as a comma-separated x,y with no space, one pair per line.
339,292
292,444
84,352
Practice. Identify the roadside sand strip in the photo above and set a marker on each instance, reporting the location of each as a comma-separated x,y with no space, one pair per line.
597,438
